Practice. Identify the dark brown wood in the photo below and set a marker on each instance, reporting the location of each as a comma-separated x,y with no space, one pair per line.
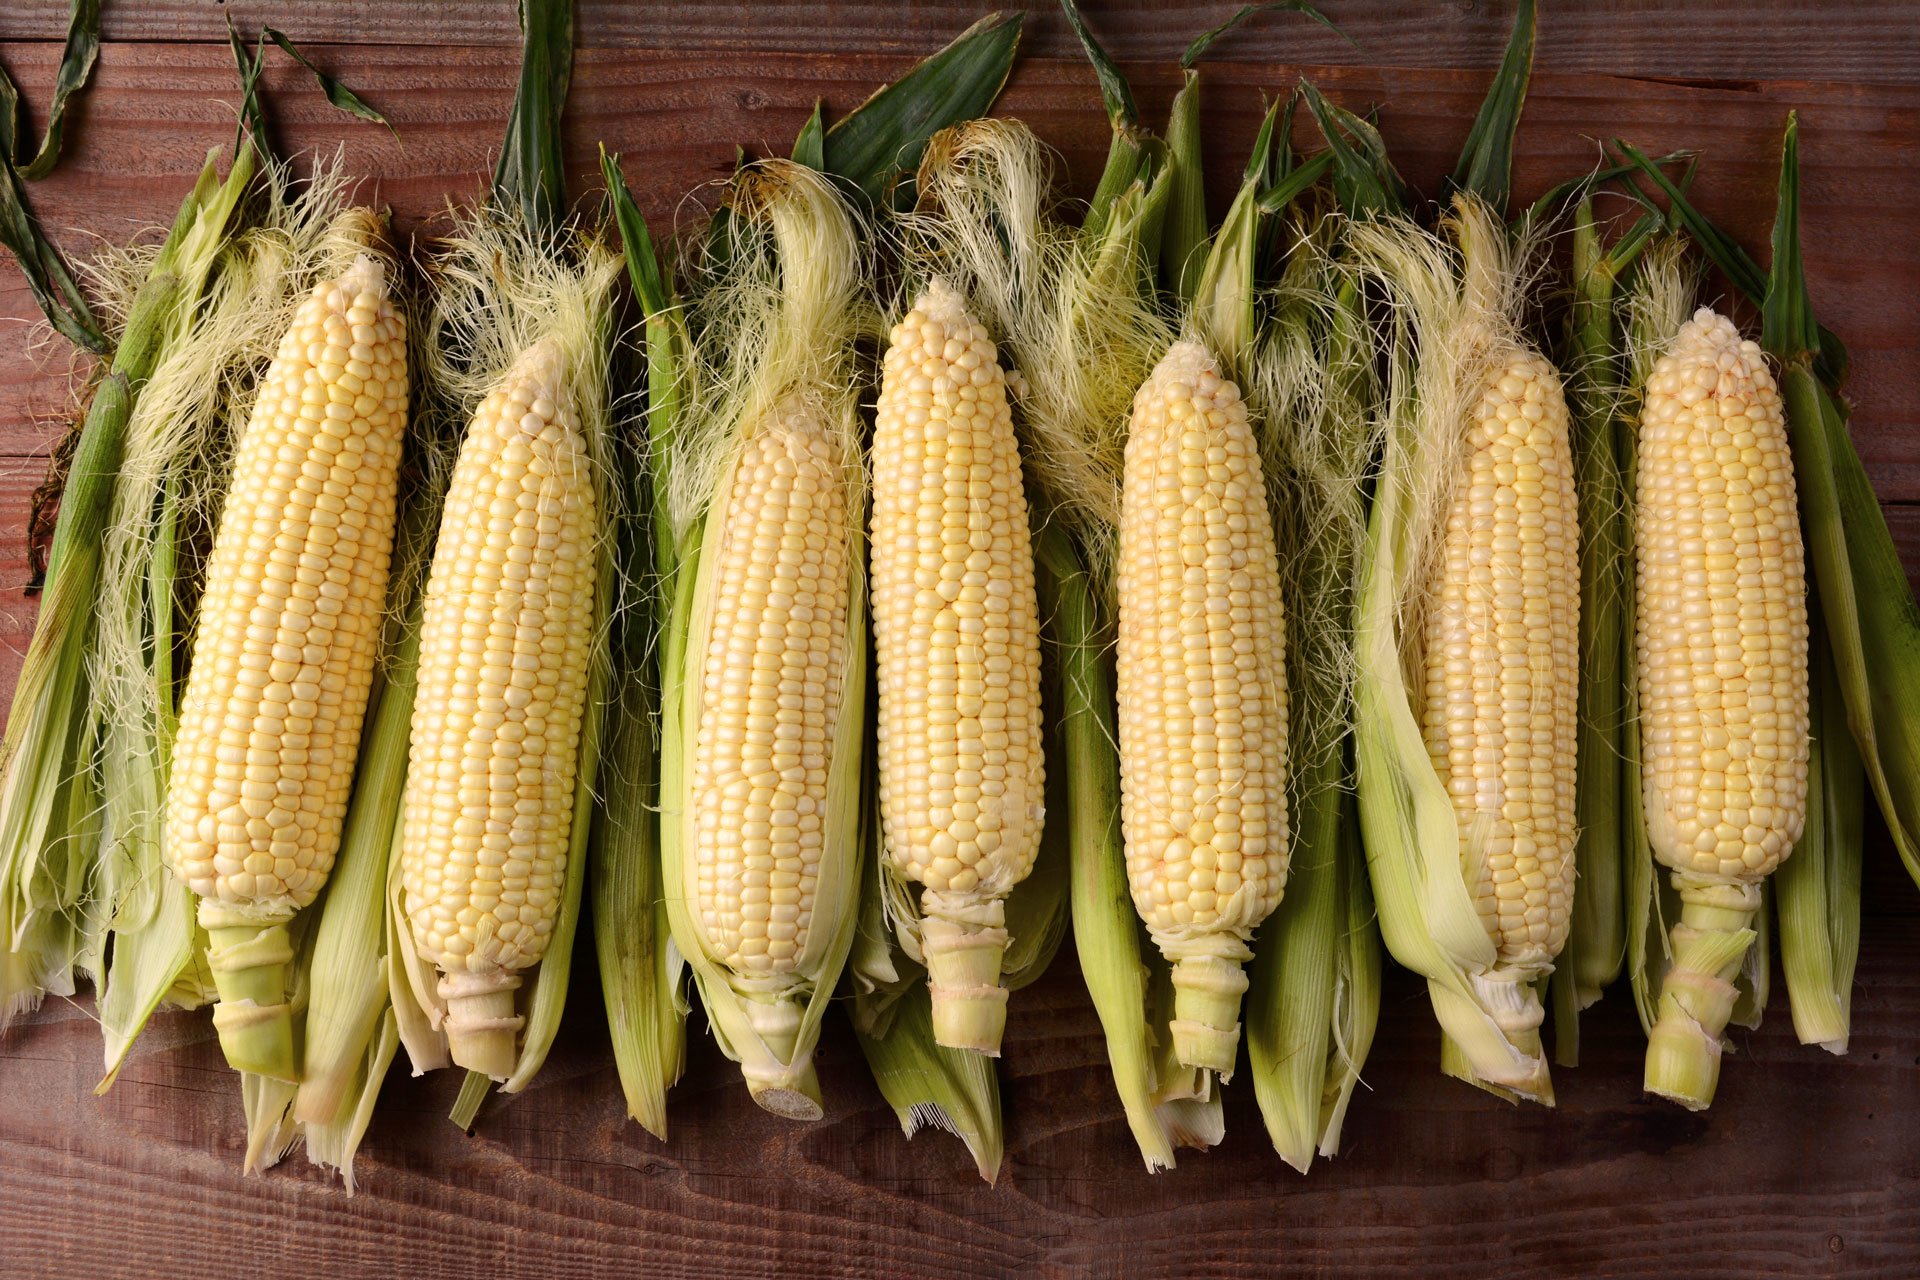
157,109
1803,1167
1863,40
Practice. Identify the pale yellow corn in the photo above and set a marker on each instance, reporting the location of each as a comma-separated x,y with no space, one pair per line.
1720,655
770,681
956,629
504,644
1721,648
284,653
296,586
1502,671
1202,693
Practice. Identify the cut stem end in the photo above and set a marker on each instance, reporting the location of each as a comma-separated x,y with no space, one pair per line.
1696,1000
483,1031
963,958
254,1021
1207,991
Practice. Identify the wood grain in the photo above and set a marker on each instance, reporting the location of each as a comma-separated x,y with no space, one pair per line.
1804,1167
1873,40
156,110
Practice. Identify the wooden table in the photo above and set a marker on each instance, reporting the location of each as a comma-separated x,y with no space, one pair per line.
1807,1164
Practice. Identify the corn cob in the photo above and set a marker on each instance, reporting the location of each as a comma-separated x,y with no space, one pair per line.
1501,672
956,629
771,639
504,647
1202,693
283,658
1721,663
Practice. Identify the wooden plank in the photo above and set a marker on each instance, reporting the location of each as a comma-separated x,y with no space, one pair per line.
1865,40
1802,1167
157,109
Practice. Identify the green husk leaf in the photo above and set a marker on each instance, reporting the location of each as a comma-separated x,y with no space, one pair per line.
474,1088
639,970
1183,236
252,116
1106,927
54,288
878,145
1122,111
1871,618
77,59
1296,181
48,800
1204,41
333,1144
1364,179
810,147
924,1082
1817,889
531,173
337,94
1544,208
929,1086
1485,167
1314,996
1038,907
1222,306
1596,944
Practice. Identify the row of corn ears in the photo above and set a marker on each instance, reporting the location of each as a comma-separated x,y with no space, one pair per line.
82,888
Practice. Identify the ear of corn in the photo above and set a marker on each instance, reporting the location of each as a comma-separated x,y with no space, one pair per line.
1202,693
1866,599
765,664
1466,792
283,654
504,644
1721,662
956,631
